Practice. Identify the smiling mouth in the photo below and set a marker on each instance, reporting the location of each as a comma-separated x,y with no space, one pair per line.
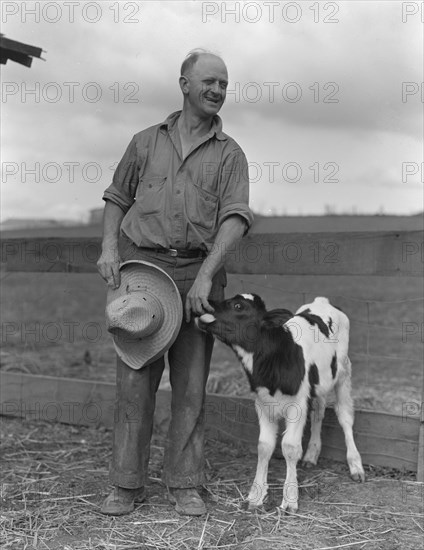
211,100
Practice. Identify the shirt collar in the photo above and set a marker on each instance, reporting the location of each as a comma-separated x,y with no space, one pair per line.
216,129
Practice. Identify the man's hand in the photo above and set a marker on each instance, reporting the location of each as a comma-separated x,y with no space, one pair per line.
197,297
231,230
108,266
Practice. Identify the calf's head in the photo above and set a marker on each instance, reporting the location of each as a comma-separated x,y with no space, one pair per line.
235,321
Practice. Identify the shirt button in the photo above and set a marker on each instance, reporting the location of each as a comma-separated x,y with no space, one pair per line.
178,192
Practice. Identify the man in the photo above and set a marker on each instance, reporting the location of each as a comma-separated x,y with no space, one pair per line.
179,199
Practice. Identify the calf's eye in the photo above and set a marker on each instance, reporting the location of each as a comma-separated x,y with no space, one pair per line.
237,306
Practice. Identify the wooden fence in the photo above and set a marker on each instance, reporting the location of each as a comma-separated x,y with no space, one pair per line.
383,439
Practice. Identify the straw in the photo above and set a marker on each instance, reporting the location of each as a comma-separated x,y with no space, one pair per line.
54,478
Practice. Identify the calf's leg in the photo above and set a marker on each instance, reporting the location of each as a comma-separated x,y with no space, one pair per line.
268,426
345,415
291,446
314,446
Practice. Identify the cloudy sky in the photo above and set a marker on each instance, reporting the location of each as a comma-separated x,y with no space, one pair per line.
324,98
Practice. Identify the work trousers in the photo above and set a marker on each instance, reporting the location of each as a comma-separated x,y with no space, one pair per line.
189,361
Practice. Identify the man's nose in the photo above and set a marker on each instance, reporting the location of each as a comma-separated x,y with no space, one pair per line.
215,88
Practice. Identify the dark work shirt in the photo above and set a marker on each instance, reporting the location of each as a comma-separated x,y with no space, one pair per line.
175,203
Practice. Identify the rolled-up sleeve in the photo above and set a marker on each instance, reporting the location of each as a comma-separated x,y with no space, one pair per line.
125,179
234,187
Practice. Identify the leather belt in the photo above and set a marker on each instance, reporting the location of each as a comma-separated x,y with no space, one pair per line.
179,252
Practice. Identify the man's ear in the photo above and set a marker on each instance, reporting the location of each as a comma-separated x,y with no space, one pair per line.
184,84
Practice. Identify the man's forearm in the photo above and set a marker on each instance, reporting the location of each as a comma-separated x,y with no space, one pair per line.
112,219
231,231
108,263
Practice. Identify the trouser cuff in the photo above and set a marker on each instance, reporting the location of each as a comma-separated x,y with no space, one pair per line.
127,481
184,482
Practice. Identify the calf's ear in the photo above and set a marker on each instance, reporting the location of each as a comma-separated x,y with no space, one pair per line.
259,303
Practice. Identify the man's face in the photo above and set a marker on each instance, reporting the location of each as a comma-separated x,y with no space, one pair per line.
206,86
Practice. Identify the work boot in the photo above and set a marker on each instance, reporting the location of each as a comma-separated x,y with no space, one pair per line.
187,501
122,501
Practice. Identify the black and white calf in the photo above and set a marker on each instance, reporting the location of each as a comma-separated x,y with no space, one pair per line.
292,362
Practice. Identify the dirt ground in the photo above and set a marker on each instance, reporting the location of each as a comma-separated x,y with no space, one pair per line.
55,476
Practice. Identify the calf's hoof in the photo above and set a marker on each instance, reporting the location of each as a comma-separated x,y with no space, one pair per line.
250,506
289,507
359,477
308,465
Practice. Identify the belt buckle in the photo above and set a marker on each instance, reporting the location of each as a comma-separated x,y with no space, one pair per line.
173,252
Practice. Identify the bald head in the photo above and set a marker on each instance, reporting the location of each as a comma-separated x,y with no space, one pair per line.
199,55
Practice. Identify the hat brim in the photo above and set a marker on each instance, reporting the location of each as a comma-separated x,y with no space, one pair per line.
149,277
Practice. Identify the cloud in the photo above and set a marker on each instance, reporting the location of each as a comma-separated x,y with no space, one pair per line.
347,74
133,68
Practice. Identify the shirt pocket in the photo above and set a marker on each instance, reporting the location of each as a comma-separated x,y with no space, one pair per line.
202,207
150,197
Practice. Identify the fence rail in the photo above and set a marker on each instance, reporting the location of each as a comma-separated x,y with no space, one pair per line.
391,254
383,439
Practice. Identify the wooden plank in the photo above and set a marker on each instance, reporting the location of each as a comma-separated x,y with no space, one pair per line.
420,459
382,439
18,57
15,46
420,456
368,253
50,255
66,400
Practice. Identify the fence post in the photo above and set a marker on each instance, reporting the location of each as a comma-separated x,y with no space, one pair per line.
420,464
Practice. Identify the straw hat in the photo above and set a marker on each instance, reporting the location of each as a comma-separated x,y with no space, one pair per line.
144,314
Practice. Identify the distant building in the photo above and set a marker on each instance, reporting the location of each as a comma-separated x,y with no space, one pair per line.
31,223
96,216
28,223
